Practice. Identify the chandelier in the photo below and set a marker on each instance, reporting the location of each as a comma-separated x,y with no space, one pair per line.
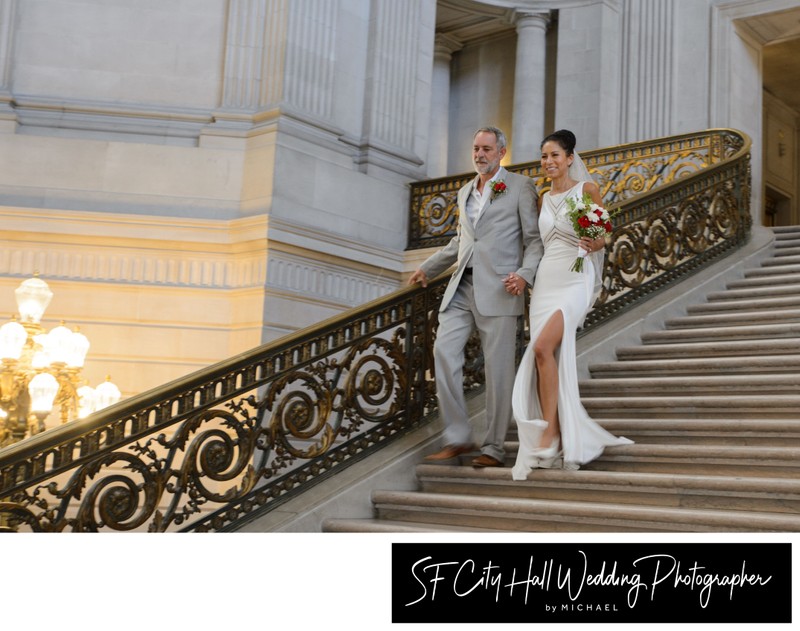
41,370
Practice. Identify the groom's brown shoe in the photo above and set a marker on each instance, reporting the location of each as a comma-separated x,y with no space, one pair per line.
451,451
485,460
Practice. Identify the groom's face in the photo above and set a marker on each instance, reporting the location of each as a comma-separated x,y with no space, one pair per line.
485,154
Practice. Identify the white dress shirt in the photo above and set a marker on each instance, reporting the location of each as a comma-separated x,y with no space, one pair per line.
477,201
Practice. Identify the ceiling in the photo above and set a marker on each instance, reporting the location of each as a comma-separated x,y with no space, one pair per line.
467,21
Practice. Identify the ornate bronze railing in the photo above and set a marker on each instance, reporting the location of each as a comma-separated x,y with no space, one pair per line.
213,450
218,447
681,201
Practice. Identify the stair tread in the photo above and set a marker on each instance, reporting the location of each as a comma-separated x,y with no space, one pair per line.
672,450
339,524
711,483
722,361
758,281
736,379
702,400
703,348
782,260
754,292
741,304
465,503
778,363
770,328
769,271
776,314
695,424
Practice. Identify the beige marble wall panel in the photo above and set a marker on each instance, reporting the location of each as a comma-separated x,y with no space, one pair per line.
331,197
56,173
166,53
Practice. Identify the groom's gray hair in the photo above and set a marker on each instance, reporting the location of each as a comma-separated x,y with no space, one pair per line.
498,133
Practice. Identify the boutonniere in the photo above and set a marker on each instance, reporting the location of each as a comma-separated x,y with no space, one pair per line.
498,188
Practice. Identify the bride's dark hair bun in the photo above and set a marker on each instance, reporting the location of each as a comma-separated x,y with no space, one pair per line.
563,137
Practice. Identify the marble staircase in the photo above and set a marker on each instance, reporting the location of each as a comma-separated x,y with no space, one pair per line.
712,402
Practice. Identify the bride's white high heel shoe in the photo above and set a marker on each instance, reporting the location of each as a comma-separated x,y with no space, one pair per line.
548,457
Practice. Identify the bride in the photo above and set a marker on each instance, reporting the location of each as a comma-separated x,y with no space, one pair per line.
553,426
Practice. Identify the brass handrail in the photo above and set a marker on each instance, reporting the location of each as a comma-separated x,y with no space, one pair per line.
217,448
622,172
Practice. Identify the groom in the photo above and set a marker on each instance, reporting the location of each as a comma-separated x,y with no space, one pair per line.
496,251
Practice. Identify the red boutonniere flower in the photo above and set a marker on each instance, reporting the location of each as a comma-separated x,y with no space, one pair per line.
498,188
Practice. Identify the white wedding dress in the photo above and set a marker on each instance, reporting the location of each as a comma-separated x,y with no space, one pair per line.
558,288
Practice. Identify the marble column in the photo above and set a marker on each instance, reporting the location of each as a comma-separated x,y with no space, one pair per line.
529,86
392,89
588,72
648,85
8,117
439,137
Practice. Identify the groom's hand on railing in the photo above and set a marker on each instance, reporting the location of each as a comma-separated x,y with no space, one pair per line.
418,277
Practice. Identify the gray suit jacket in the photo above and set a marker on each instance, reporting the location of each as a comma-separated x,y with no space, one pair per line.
504,239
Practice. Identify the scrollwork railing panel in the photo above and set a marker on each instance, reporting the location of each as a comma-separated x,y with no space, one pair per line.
247,433
621,172
662,236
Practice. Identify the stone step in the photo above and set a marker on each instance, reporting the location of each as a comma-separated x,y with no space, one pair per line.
783,270
699,406
789,241
732,432
769,364
780,261
778,495
754,293
765,281
708,458
716,385
717,348
386,525
786,331
782,302
737,460
533,515
785,232
783,249
727,318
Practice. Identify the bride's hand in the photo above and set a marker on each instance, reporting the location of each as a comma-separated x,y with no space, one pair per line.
592,245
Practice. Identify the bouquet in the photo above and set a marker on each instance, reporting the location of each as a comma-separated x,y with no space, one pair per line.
589,220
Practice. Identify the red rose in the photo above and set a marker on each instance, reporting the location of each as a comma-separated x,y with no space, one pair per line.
608,226
499,187
599,213
584,222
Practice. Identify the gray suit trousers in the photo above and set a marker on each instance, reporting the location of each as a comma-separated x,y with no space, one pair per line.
498,340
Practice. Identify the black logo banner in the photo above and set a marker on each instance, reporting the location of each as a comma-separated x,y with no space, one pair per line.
573,582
